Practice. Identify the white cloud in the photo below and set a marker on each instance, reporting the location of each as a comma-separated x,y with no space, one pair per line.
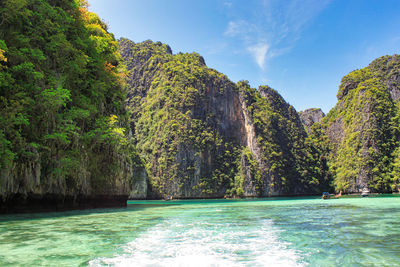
228,4
240,28
259,53
232,29
275,26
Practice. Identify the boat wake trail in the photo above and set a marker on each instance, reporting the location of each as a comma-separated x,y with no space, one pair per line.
177,243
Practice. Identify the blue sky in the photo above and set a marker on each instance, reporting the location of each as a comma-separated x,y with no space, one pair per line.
302,48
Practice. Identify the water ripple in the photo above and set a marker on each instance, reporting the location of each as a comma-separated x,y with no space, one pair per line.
174,243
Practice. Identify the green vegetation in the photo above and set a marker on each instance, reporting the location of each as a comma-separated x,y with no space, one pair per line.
367,118
289,162
65,128
176,124
61,100
192,144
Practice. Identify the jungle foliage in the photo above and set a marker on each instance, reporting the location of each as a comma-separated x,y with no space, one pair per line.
61,94
292,162
176,133
367,118
74,111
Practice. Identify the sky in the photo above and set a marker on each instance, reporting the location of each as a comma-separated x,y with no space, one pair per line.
301,48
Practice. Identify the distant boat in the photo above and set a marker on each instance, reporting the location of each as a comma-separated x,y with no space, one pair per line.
168,197
326,195
365,192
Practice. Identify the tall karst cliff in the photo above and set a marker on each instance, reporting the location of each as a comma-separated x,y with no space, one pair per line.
72,131
200,135
186,119
63,124
362,130
282,159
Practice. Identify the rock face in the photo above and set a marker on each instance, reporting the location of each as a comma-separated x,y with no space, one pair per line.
68,141
63,125
186,118
310,116
200,135
387,70
362,128
275,161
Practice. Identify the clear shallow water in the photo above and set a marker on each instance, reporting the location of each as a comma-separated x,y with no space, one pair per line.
282,232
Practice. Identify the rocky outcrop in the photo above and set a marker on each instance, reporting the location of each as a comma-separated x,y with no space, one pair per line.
201,135
25,187
361,128
276,164
139,185
387,69
310,116
64,134
251,163
68,141
187,119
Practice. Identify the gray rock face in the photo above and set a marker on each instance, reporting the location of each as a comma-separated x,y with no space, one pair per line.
203,169
310,116
393,85
360,127
275,137
24,187
387,68
139,185
250,141
215,107
194,127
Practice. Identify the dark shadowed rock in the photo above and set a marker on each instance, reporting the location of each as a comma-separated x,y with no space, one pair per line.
310,116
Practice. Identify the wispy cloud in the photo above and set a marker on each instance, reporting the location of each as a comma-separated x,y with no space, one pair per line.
273,27
240,28
228,4
259,52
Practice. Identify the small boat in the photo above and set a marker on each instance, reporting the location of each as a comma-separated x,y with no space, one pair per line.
365,192
168,197
326,195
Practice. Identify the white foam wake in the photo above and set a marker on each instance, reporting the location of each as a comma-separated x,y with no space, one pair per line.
172,243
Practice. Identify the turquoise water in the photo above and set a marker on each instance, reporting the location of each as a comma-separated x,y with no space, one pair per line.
280,232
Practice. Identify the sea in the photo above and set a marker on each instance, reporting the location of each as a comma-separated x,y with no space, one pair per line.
247,232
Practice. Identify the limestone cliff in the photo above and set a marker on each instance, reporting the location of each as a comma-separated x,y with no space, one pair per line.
362,128
277,159
200,135
63,125
73,134
187,120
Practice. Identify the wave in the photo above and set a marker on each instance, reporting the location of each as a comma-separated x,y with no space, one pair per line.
180,243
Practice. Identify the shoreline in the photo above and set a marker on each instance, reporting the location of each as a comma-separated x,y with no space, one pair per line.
355,194
54,203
